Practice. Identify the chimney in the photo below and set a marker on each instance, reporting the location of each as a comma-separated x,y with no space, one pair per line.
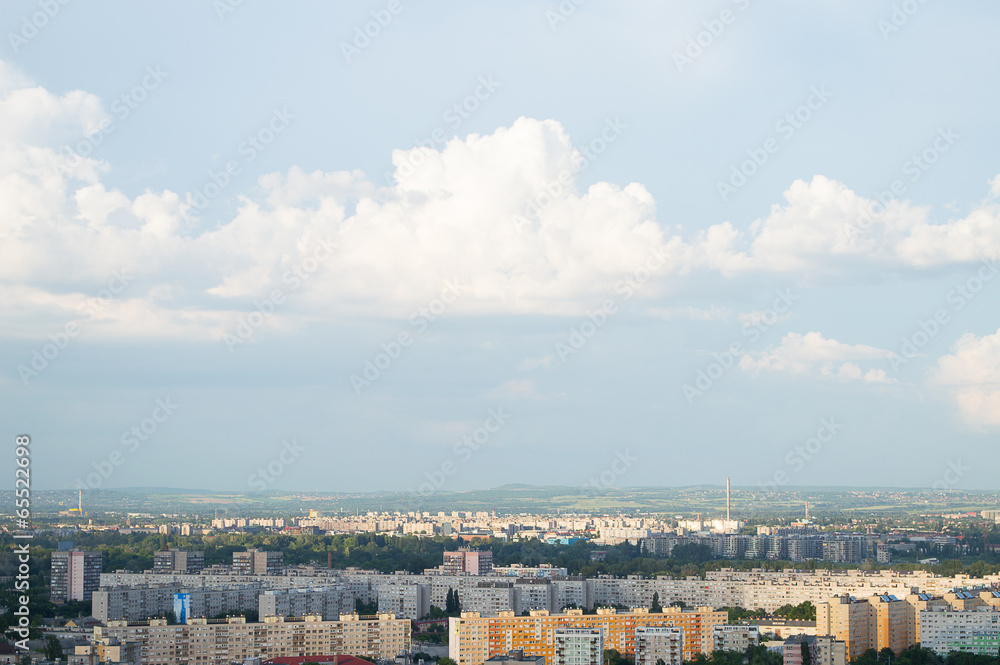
727,498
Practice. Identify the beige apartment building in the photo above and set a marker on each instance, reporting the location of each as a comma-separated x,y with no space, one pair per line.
204,642
474,638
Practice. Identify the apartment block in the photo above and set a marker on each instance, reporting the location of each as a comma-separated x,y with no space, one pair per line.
257,562
221,642
655,643
823,650
473,638
327,602
892,624
178,561
847,619
76,575
471,562
735,638
404,600
143,602
973,631
578,646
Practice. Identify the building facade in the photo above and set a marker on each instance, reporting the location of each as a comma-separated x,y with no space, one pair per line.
76,575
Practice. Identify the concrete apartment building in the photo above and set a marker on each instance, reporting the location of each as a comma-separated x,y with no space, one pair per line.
138,603
578,646
654,643
327,602
76,575
222,642
973,631
257,562
822,650
471,562
178,561
847,619
877,622
473,638
405,600
735,638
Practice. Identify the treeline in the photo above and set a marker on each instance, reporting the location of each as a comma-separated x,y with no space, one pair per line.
390,553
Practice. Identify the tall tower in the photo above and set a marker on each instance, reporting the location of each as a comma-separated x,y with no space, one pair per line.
727,498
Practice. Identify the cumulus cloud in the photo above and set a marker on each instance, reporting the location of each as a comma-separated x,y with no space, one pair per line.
814,355
970,376
451,219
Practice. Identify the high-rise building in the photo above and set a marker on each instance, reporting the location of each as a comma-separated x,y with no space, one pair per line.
578,646
472,562
735,638
975,631
847,619
655,643
76,575
221,642
473,638
178,561
257,562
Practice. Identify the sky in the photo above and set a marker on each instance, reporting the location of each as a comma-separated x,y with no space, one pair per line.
445,246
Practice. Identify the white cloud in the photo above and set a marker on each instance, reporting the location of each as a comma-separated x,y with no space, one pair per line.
763,317
533,363
970,376
711,313
814,355
514,389
64,233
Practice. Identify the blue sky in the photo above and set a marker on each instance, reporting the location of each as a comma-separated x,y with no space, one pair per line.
698,233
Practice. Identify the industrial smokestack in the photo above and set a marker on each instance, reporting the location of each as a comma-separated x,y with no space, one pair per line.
727,498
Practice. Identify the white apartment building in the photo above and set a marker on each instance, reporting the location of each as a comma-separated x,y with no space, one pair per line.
975,631
735,638
653,643
578,646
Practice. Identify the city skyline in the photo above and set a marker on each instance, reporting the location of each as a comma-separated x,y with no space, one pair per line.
462,247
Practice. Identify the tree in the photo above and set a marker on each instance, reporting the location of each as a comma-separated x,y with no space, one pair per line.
655,606
806,654
446,661
53,650
678,603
